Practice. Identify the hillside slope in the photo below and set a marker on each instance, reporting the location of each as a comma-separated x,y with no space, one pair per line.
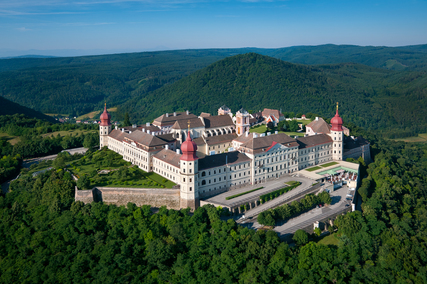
78,85
369,97
9,108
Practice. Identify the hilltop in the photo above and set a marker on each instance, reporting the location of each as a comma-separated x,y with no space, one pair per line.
10,108
79,85
370,97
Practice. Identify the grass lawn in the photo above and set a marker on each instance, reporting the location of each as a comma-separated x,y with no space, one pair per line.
259,129
329,240
421,138
12,139
91,115
292,134
304,122
243,193
329,164
55,114
263,128
75,132
292,182
122,173
313,169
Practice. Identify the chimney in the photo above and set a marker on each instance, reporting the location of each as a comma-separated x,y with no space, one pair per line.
133,125
147,124
296,137
276,132
167,114
188,112
262,135
174,113
123,130
247,133
305,135
143,130
148,131
317,118
255,135
167,147
178,151
268,133
115,127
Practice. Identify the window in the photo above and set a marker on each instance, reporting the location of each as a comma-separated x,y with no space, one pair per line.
191,189
191,180
203,182
203,174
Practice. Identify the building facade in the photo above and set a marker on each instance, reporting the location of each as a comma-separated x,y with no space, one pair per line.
214,155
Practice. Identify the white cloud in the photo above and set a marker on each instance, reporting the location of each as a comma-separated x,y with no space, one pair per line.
18,13
23,29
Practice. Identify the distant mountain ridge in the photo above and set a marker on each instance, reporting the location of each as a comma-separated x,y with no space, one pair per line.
78,85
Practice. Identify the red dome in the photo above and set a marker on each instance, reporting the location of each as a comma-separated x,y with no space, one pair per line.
189,149
105,117
336,122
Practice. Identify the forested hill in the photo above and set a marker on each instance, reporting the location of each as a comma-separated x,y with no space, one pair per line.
78,85
393,58
369,97
9,108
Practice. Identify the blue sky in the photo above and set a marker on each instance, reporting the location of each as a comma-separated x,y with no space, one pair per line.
104,26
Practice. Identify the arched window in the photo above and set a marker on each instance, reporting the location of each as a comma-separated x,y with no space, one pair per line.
203,174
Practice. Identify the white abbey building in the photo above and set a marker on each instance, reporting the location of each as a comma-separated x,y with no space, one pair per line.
206,155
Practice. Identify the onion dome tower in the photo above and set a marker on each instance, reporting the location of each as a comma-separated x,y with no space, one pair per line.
104,127
189,168
337,136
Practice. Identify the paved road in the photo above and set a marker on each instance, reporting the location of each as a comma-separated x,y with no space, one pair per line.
27,163
288,197
269,186
291,226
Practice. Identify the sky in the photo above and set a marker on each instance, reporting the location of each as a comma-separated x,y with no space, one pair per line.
65,27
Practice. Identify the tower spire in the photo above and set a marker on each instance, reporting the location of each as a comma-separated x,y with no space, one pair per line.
337,105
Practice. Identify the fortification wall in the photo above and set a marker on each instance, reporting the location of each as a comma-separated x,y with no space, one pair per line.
85,196
140,196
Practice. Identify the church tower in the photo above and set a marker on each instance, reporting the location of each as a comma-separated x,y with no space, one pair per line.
242,121
104,127
189,168
337,136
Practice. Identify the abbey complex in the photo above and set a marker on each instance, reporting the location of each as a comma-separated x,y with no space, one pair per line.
206,155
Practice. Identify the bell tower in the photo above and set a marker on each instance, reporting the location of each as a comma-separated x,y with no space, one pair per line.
189,196
242,122
104,127
337,136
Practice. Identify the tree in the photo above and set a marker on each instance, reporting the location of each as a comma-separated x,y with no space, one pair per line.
300,237
281,125
126,122
325,198
83,182
293,125
90,141
270,125
317,231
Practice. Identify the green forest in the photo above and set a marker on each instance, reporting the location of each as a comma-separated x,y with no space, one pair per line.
47,237
33,141
380,88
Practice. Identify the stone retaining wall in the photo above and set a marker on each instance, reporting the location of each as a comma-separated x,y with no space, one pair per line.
140,196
